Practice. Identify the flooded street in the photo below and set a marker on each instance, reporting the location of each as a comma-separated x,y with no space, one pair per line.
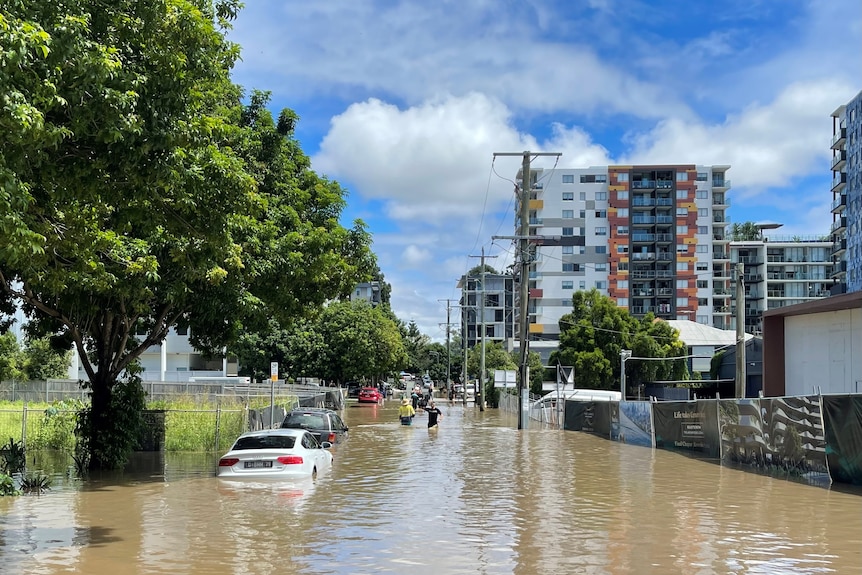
476,496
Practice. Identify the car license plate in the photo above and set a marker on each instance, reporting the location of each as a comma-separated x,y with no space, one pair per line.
257,464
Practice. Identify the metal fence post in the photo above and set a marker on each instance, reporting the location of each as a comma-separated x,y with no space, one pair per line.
24,424
218,425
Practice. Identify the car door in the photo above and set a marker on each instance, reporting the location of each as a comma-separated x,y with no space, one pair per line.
315,452
339,427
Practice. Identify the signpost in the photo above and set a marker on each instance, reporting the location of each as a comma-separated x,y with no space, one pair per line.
273,377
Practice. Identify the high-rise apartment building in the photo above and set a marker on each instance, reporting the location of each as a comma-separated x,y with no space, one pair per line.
847,196
779,272
488,308
650,237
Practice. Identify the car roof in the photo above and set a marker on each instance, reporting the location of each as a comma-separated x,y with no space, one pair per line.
278,431
311,410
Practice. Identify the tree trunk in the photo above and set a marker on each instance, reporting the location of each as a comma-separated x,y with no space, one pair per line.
101,430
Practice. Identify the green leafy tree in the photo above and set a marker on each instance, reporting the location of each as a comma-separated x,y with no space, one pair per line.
495,358
746,231
361,342
415,346
41,361
140,194
11,358
297,349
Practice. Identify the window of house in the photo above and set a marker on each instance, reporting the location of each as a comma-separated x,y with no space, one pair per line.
566,302
582,196
622,266
182,330
682,176
582,214
568,214
594,178
568,250
568,284
601,267
702,301
682,194
702,267
622,230
623,194
681,248
681,212
568,178
623,212
622,248
702,284
570,267
601,231
623,284
703,212
702,249
682,302
601,249
568,231
601,196
702,194
601,213
622,302
601,284
682,266
622,176
703,229
568,196
682,230
703,176
682,284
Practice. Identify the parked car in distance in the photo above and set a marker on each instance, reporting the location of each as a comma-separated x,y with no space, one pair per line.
324,424
353,388
369,395
275,454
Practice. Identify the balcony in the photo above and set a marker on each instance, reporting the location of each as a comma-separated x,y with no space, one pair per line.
536,221
839,268
665,238
720,183
643,292
642,274
839,160
839,204
665,256
721,200
641,201
538,185
751,260
754,294
642,237
642,256
721,292
664,201
839,181
643,184
722,309
839,247
839,138
665,219
643,220
720,255
839,225
718,218
665,292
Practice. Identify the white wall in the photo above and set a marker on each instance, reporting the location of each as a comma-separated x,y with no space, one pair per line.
824,350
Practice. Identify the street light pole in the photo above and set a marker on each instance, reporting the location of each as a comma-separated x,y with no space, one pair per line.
624,355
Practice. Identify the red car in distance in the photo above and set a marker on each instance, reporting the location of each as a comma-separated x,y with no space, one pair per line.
369,395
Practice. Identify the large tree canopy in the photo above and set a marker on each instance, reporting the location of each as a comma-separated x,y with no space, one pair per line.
138,193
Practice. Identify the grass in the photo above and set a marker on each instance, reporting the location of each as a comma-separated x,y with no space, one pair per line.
189,422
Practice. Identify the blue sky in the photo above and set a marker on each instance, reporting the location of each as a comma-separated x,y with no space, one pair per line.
405,102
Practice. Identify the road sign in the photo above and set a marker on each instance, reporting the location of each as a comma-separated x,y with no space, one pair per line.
273,370
505,378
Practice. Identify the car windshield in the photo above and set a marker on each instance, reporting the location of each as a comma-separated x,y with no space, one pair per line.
265,442
304,421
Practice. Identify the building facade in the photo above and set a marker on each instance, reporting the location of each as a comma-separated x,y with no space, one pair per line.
368,291
496,318
653,238
847,196
779,272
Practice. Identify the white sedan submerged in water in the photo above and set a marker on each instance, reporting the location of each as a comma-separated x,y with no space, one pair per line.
275,454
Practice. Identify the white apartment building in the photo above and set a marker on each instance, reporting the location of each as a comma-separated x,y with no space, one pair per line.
650,237
496,317
781,271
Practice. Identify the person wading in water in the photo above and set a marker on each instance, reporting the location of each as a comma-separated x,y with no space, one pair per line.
433,414
406,412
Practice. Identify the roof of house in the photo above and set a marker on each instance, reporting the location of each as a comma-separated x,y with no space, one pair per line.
695,334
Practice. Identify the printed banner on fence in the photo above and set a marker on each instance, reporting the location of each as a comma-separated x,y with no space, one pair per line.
687,426
842,420
635,423
588,416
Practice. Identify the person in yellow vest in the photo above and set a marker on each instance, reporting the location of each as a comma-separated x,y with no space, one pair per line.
406,412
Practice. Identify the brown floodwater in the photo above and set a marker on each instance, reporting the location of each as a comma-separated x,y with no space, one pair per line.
476,496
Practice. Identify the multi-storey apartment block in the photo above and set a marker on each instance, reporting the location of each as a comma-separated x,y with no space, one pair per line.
847,196
650,237
779,272
368,291
498,320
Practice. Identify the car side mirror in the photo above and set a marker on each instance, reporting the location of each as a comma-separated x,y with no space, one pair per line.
325,445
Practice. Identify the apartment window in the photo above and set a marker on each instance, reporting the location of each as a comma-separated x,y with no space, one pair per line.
568,284
623,284
702,194
582,250
499,315
703,176
682,176
568,214
601,196
622,230
568,231
702,249
703,319
682,266
623,194
682,302
184,330
622,266
601,267
703,212
582,284
601,249
682,194
566,302
623,212
582,232
601,284
601,213
582,196
622,249
601,231
568,196
568,250
702,267
681,284
622,302
681,212
703,229
489,331
702,284
682,230
681,248
570,267
594,179
702,301
568,179
582,214
622,176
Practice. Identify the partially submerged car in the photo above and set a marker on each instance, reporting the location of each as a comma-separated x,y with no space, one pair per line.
275,454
